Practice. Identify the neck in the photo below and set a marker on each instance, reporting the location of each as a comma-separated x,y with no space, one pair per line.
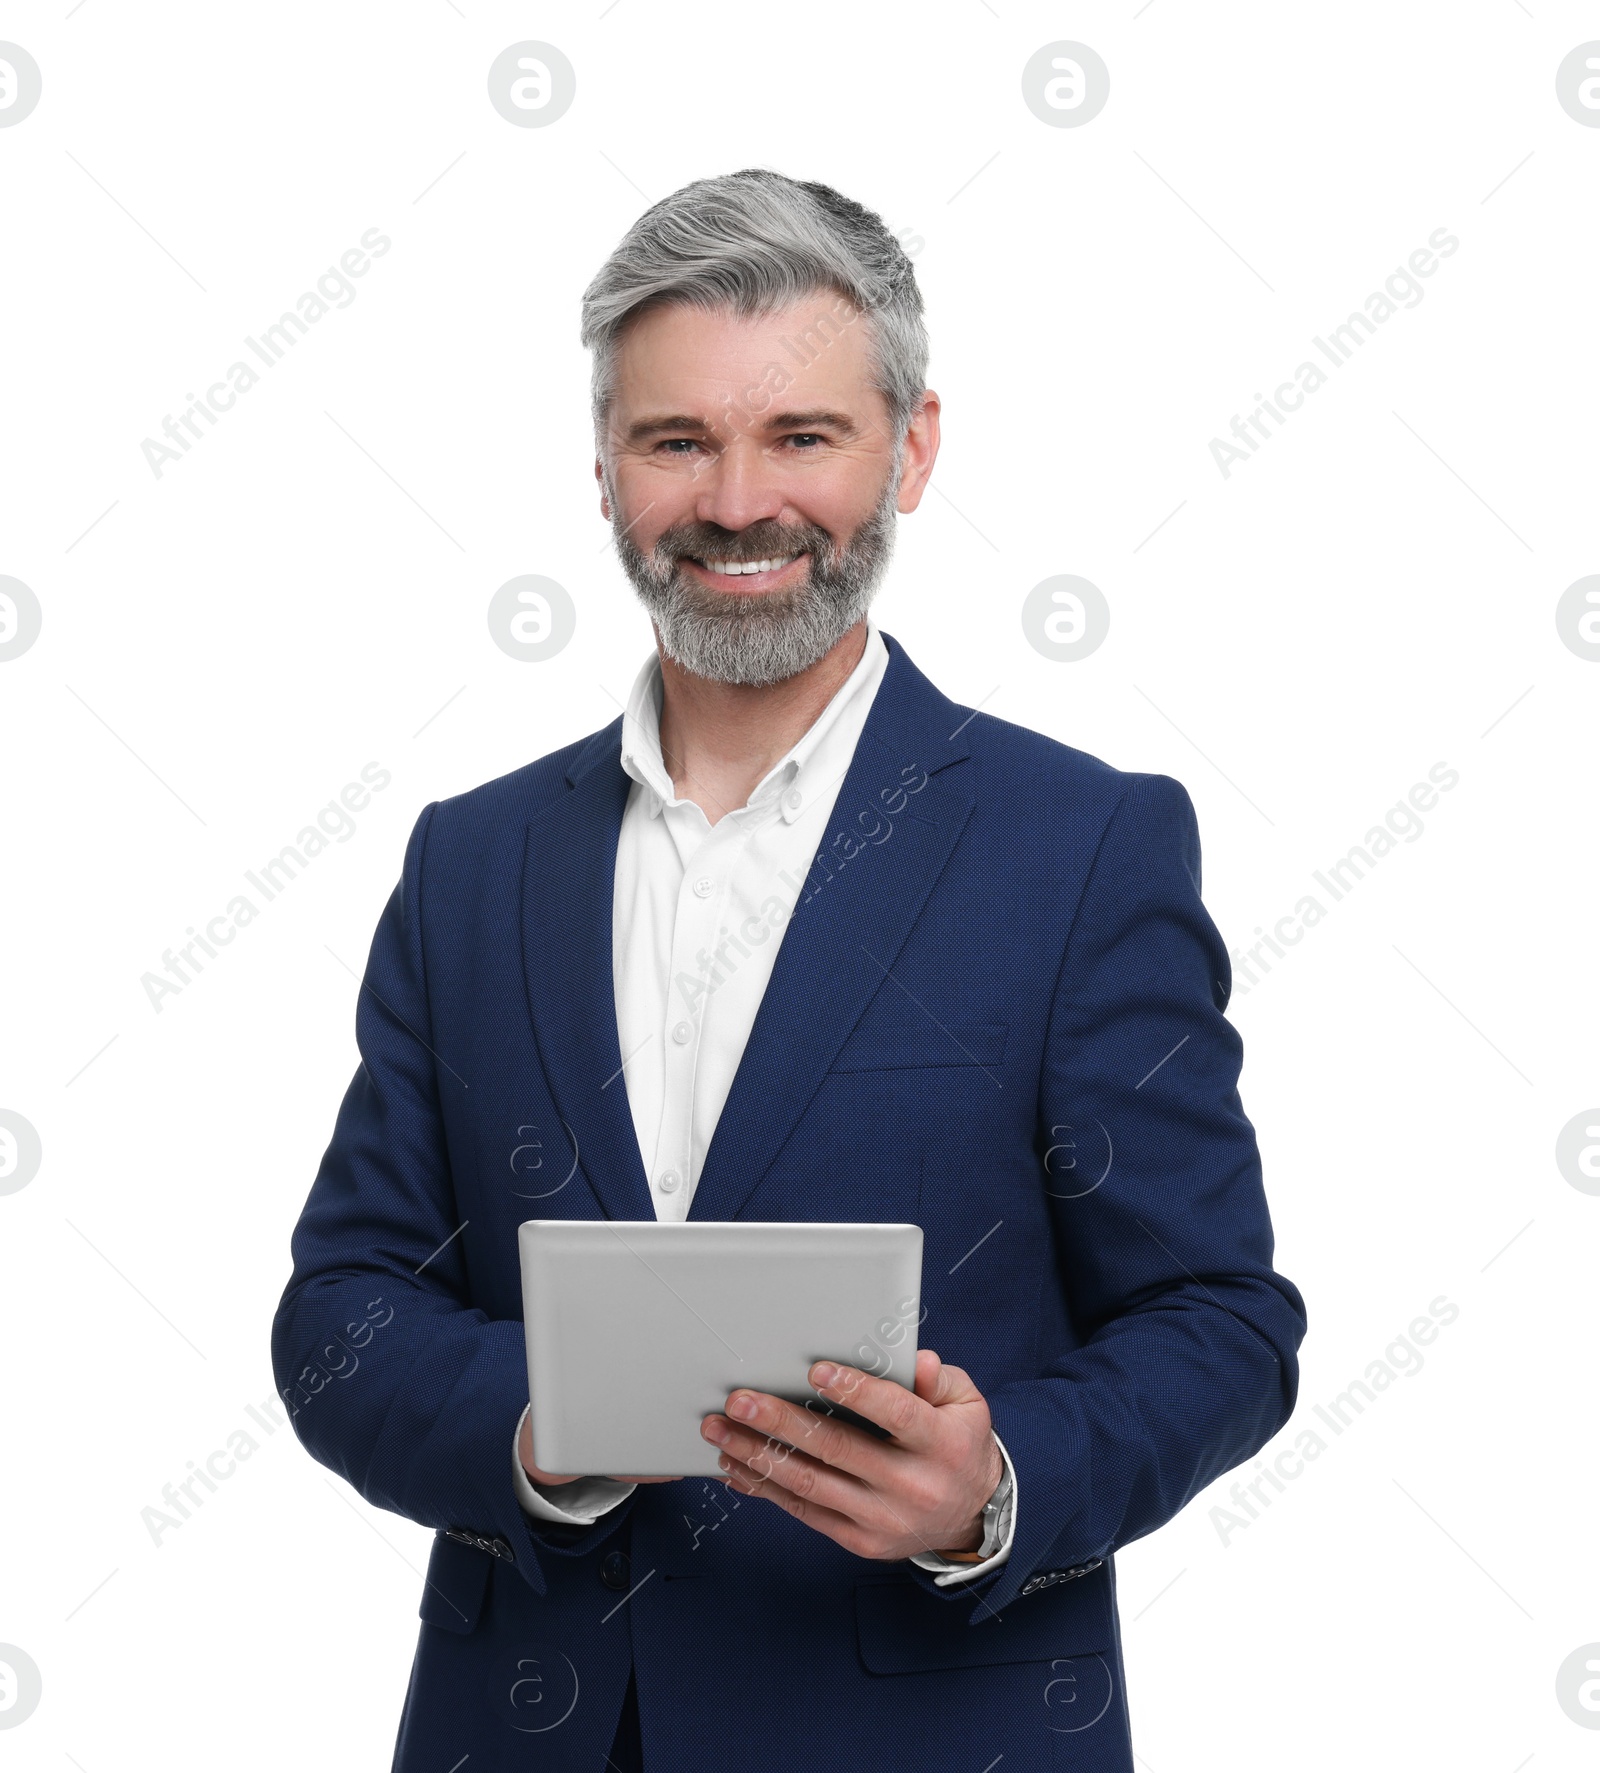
719,739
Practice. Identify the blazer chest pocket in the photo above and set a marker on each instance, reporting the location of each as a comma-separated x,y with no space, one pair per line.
923,1044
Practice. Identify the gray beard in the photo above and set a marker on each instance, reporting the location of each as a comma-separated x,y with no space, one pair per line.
729,638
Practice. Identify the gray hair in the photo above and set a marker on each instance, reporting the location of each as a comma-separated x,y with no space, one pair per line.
754,242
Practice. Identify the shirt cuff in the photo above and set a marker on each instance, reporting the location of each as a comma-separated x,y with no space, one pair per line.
583,1501
946,1573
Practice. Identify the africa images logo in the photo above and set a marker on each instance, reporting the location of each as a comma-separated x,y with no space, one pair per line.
1402,288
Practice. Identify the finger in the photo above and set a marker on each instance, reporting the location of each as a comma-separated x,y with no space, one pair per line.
747,1480
858,1467
806,1478
811,1429
954,1385
884,1402
871,1506
789,1430
857,1515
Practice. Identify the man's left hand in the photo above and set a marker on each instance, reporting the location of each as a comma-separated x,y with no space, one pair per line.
921,1491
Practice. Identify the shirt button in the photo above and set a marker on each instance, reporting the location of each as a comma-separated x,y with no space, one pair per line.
682,1033
704,887
792,799
668,1181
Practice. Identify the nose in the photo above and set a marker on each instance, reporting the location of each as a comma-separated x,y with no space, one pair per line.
739,486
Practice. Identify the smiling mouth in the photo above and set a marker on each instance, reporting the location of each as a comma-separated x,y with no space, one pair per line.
745,575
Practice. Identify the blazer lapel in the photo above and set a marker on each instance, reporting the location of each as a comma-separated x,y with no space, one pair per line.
849,926
568,871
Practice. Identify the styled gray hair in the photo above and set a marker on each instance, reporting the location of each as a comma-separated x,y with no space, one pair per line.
755,241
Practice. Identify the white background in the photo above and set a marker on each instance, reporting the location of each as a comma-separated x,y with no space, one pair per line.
1372,593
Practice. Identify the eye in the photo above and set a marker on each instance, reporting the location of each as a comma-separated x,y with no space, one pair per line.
815,436
668,442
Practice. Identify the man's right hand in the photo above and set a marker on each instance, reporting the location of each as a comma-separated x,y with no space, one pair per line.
535,1475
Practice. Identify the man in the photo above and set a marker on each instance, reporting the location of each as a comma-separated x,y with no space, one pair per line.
794,938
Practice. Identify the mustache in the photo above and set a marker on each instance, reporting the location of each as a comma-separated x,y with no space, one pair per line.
699,542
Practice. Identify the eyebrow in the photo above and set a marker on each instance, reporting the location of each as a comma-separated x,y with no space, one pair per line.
817,418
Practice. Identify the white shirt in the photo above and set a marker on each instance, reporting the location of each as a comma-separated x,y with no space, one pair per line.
698,915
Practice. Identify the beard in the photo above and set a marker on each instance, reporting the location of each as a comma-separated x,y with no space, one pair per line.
765,637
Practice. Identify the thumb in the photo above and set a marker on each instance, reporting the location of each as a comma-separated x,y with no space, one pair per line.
951,1385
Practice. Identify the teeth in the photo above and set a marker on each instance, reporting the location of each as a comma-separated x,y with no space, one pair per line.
747,566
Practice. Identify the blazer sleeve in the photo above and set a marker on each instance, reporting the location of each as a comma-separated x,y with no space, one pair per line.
391,1376
1185,1361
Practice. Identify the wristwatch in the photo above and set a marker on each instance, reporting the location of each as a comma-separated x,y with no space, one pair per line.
996,1513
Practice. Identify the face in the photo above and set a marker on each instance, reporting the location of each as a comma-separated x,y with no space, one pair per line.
753,482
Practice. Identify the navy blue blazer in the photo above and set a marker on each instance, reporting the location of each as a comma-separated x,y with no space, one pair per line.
997,1013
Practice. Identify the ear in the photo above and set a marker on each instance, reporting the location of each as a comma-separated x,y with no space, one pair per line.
921,450
600,481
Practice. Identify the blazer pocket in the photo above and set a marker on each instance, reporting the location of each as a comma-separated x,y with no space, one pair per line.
458,1578
902,1629
924,1043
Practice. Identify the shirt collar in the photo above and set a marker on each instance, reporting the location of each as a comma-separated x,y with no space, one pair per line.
815,762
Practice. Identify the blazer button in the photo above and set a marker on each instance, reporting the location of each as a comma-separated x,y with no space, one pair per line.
614,1570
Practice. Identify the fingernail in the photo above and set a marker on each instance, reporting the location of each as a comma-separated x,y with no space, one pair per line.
824,1373
714,1430
743,1407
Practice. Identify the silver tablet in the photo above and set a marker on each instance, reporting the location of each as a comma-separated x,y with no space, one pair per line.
637,1329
